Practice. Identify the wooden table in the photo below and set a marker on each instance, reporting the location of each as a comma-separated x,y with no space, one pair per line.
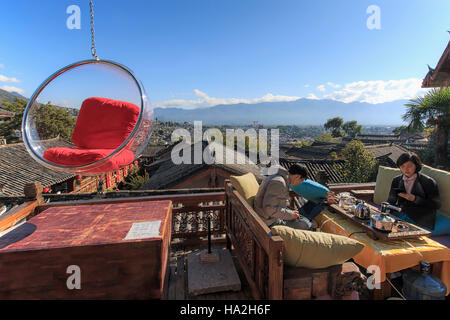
410,231
116,251
389,255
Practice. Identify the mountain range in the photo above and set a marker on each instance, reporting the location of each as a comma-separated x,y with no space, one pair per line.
10,96
298,112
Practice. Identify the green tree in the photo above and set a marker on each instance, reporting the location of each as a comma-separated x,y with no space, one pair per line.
352,128
304,143
432,110
335,125
8,129
360,165
406,131
326,137
136,181
50,121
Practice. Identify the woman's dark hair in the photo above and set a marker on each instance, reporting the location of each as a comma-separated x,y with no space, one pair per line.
298,169
405,157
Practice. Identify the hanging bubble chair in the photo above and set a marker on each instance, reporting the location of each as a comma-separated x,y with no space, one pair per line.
90,117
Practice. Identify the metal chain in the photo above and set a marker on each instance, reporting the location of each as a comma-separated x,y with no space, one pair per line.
93,49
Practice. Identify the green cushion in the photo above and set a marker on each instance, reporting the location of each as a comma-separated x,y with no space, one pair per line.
443,181
246,185
383,184
315,250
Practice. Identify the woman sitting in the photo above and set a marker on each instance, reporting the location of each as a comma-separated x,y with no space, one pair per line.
417,194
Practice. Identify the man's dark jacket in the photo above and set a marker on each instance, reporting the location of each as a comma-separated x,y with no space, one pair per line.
423,209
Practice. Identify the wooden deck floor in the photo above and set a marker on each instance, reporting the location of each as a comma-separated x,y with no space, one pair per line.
177,282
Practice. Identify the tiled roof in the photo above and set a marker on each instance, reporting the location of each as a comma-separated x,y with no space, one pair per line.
4,112
17,168
169,174
166,149
439,76
152,151
316,151
376,139
332,168
390,153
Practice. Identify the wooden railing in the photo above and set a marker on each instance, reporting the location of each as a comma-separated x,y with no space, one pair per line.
346,187
259,254
17,214
190,212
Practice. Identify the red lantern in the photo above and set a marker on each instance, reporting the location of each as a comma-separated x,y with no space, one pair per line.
79,177
108,181
46,190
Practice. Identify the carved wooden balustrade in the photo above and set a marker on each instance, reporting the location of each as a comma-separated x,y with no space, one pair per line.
191,207
259,254
190,212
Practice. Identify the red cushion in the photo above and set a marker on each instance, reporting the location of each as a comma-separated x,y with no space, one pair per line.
78,157
104,123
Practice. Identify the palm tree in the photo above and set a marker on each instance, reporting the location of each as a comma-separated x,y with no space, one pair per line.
432,110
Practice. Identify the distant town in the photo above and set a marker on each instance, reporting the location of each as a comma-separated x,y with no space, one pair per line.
289,134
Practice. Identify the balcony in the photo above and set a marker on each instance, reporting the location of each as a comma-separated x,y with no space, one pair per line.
191,209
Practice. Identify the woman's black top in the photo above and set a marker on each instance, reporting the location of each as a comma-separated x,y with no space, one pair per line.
423,209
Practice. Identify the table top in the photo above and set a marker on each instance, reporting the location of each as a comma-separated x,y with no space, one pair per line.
83,225
388,254
410,231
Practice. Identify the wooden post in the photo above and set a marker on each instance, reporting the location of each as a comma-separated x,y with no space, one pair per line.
209,235
33,191
384,291
275,269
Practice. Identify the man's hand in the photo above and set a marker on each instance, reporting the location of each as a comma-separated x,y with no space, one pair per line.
296,215
409,197
331,198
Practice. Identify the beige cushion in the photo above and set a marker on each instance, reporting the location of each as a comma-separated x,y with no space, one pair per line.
383,184
315,250
443,181
246,185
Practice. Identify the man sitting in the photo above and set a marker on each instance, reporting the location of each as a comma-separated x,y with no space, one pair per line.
313,192
272,201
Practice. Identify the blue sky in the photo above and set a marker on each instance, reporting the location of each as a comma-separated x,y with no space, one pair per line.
197,53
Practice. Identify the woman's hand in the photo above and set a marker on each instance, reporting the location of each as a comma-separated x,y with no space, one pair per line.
409,197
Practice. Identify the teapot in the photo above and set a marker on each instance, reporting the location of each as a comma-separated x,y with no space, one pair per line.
362,210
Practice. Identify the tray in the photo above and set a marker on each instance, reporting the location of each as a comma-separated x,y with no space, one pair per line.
412,231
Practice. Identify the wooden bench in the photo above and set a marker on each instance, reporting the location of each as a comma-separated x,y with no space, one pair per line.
260,256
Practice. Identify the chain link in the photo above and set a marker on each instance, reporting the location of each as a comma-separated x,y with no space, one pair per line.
93,49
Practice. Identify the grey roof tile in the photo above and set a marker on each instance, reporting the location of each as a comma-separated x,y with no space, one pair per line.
17,168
